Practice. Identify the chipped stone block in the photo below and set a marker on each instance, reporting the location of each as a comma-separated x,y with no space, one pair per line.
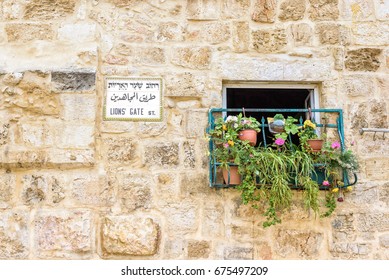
202,9
384,240
120,149
182,217
14,235
302,34
196,122
357,10
129,235
373,222
263,251
268,41
213,224
49,9
343,228
70,158
73,81
115,60
358,85
216,33
7,189
330,33
76,136
193,57
184,84
170,31
238,253
292,10
63,232
35,189
240,36
350,250
323,9
162,154
4,132
189,154
37,135
195,184
264,11
151,56
235,9
78,107
364,59
166,187
27,32
198,249
299,243
77,32
338,54
12,9
377,169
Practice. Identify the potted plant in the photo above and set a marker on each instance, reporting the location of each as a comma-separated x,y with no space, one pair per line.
248,128
309,138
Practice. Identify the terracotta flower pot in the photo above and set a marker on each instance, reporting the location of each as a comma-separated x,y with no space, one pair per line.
234,176
315,144
249,135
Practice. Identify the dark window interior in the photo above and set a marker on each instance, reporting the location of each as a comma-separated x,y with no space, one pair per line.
267,98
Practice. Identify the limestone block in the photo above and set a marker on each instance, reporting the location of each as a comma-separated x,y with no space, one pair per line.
77,32
37,134
125,3
70,158
192,57
357,10
195,183
120,149
174,249
302,243
129,235
384,240
23,159
150,128
184,84
61,233
124,49
373,222
343,228
240,36
166,188
381,9
75,136
170,31
115,60
213,224
338,54
383,194
35,189
150,56
196,123
358,85
182,217
264,11
372,33
91,189
134,190
302,34
238,253
235,9
323,9
270,40
7,189
350,250
377,168
14,235
12,9
330,33
189,154
216,33
198,249
25,32
202,9
49,9
292,10
364,59
4,132
162,154
73,81
78,107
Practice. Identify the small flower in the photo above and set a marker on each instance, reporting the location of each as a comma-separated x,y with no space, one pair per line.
251,155
224,127
225,145
231,143
340,183
232,119
326,183
340,199
352,143
335,190
349,188
310,124
279,141
335,145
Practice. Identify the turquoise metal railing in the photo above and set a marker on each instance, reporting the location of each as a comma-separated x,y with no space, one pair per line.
338,125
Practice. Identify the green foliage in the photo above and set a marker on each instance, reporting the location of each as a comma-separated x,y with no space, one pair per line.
248,123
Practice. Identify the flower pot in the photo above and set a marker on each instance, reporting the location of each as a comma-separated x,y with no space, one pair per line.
315,144
277,126
234,178
248,135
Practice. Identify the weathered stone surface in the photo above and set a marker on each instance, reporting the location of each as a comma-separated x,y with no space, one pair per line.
235,9
124,49
166,187
373,222
202,9
61,233
12,9
193,57
48,9
22,32
240,233
162,154
35,189
78,107
302,34
238,253
170,31
350,250
120,149
75,136
134,190
264,11
338,54
364,59
240,36
213,225
189,154
298,243
115,60
196,122
73,81
323,10
357,10
129,235
194,184
216,33
330,33
78,32
378,108
383,194
184,84
263,251
377,169
371,33
384,240
358,85
7,188
125,3
14,237
292,10
381,9
268,41
4,131
181,217
343,228
151,56
37,134
198,249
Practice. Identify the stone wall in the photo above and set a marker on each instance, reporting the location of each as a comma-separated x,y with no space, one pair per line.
76,187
